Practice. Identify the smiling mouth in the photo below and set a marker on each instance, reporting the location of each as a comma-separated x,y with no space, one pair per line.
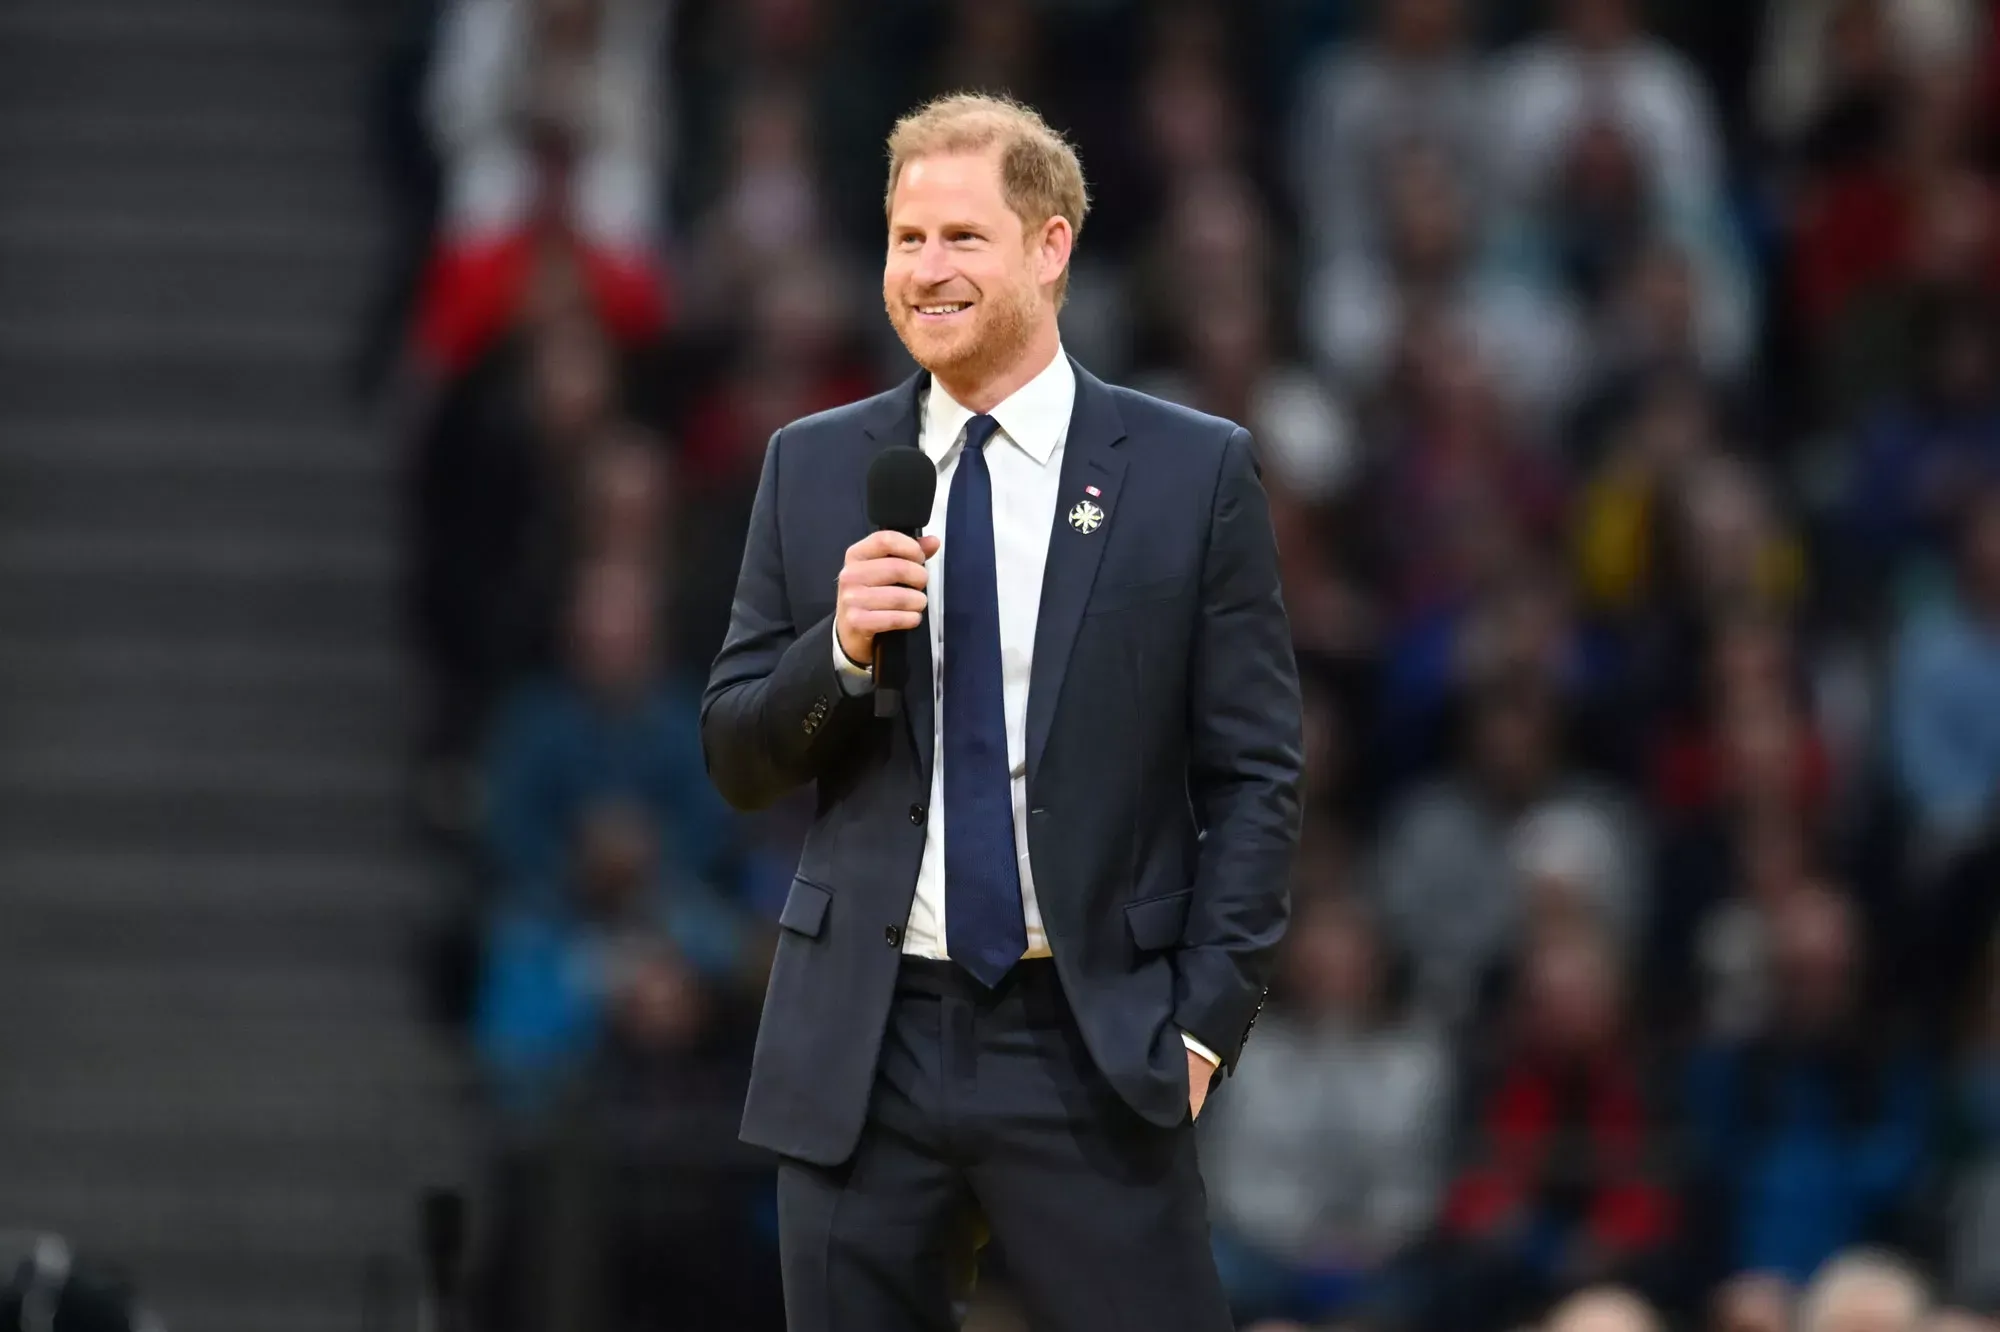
943,309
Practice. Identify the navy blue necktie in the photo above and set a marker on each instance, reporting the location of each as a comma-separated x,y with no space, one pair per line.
984,930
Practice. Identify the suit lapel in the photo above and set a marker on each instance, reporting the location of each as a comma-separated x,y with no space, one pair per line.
1092,470
899,423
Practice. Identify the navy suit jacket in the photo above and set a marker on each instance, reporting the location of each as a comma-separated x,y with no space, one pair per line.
1163,756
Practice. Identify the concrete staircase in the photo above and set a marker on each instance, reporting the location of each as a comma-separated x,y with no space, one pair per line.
214,1067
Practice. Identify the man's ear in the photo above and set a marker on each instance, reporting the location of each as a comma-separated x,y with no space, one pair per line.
1052,250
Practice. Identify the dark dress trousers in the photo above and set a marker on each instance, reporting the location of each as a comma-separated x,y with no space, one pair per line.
917,1112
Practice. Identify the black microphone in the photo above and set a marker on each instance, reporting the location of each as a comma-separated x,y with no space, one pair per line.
902,483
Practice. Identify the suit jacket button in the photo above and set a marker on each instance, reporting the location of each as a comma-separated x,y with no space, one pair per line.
917,815
893,936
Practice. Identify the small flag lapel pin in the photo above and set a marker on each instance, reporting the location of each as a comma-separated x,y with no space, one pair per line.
1092,491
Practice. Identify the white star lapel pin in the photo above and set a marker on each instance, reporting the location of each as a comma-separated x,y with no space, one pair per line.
1086,517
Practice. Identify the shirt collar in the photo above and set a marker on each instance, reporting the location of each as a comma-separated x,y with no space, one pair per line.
1035,416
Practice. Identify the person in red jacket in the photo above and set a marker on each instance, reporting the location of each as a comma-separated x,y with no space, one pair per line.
1562,1187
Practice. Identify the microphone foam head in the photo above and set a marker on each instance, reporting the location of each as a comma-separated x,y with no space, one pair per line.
902,482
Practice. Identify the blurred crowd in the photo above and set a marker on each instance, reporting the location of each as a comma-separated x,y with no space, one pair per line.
1627,380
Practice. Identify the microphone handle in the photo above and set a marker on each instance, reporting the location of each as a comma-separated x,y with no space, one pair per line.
892,665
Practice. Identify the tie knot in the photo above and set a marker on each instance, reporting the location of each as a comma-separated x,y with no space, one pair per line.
979,431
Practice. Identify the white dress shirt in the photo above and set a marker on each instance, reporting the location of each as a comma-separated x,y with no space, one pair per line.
1025,460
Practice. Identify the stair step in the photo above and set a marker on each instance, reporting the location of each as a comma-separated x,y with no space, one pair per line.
118,238
309,990
155,810
274,727
196,446
289,1102
128,662
271,171
302,1293
121,884
287,1292
76,268
290,133
181,936
151,371
165,504
210,24
126,70
115,1215
172,607
127,693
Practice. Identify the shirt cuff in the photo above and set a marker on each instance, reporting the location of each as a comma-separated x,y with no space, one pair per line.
1197,1047
854,680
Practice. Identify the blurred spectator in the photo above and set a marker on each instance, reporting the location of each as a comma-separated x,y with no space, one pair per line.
612,952
770,206
1228,366
1864,1291
1667,430
1721,555
625,502
1729,547
1215,243
1958,1320
1832,69
1518,619
1462,498
1324,1155
1660,281
491,509
1917,458
1749,743
1741,785
1867,223
1972,1146
609,726
1192,121
993,46
1337,694
794,355
611,1026
1751,1302
1413,87
1811,1132
1604,1309
1946,716
1450,889
546,114
1565,1183
1428,271
1598,65
1883,347
1604,143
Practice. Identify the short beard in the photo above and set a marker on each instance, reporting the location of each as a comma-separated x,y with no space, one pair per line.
1009,328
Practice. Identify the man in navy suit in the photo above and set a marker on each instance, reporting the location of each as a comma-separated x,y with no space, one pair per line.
1035,914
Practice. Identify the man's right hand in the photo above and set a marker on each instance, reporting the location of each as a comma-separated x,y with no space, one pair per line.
881,590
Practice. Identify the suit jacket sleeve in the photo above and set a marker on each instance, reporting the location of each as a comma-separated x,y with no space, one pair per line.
774,711
1245,755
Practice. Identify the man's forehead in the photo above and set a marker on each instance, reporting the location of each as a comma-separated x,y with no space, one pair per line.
970,168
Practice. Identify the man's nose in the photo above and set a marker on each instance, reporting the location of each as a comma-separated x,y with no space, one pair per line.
934,266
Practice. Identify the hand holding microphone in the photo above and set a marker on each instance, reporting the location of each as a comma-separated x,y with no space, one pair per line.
882,584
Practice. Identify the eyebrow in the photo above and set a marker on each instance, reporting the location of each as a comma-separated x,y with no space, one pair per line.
960,225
